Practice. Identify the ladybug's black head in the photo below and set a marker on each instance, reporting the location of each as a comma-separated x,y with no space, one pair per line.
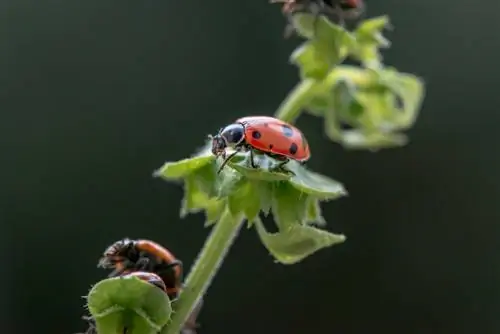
230,136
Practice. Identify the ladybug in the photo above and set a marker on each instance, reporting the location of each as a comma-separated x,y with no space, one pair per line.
151,278
128,255
269,135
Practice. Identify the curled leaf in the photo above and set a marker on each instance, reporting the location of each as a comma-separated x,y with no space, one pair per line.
313,215
297,242
369,40
128,302
375,103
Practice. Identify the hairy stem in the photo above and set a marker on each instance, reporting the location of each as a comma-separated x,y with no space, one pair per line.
211,257
292,106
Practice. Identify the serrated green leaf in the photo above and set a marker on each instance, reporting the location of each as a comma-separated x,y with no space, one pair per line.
128,302
314,216
370,31
311,26
314,184
297,242
289,205
196,200
245,200
229,182
182,168
206,179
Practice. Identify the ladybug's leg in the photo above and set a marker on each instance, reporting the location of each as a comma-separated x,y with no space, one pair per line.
281,164
252,162
226,160
166,268
119,270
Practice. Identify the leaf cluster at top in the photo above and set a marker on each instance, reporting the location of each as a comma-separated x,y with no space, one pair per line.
292,194
376,102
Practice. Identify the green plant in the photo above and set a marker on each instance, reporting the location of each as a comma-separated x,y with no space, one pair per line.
378,102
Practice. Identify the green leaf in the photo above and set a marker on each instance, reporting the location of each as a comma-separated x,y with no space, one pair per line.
195,200
314,62
266,167
317,105
246,200
369,40
246,191
264,191
314,184
128,302
328,45
410,90
296,243
182,168
229,182
289,205
314,216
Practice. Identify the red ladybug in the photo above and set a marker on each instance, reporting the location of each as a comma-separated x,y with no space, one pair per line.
128,255
151,278
266,134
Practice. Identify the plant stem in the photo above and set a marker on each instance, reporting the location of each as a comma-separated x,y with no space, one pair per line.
292,106
211,256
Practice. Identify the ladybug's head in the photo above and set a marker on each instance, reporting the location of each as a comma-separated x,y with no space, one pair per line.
230,136
115,253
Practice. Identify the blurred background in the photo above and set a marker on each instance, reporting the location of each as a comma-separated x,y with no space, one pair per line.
95,95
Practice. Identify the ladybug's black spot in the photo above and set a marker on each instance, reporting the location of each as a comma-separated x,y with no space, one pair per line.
293,149
287,131
271,146
266,125
256,134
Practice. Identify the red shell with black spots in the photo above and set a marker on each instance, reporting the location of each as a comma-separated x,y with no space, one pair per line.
271,135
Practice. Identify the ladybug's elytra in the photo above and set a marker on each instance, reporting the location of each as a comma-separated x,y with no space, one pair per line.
265,134
151,278
128,255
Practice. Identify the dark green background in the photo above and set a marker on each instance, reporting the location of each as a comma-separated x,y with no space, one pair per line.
95,95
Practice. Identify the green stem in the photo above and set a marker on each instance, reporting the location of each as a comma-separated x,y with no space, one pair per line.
211,256
292,106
